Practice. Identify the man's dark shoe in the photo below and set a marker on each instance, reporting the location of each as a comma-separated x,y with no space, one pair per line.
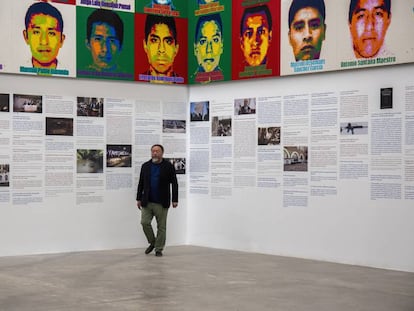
149,249
158,253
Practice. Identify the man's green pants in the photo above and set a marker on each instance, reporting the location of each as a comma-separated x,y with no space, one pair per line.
160,213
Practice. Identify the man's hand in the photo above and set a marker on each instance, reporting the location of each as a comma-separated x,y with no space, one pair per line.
139,204
174,204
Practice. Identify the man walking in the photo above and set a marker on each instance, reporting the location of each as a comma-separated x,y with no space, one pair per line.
154,197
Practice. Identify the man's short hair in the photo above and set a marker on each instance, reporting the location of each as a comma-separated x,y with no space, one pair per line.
354,3
46,9
158,145
109,17
255,10
208,18
152,20
301,4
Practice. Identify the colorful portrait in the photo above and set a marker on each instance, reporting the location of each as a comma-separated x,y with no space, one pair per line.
44,39
210,42
43,34
309,36
368,24
160,49
306,28
256,40
105,44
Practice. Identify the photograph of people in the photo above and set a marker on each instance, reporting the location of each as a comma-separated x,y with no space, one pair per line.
104,39
161,47
208,48
368,24
43,34
245,106
255,34
199,111
307,28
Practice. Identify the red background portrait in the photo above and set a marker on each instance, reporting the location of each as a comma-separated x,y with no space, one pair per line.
141,60
273,54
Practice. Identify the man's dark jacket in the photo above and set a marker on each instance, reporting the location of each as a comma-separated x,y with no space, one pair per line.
167,177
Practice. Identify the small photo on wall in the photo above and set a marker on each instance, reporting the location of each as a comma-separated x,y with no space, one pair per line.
178,163
118,155
244,106
295,158
199,111
174,126
27,103
268,135
4,102
256,39
90,107
221,126
354,128
4,175
386,98
59,126
89,161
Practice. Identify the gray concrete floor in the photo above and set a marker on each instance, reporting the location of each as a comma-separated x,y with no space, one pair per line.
196,278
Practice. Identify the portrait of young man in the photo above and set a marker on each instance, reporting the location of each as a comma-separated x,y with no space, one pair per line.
44,35
161,47
256,40
307,28
104,38
255,34
208,48
368,24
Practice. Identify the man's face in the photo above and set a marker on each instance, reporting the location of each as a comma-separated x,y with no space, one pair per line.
104,46
306,34
368,27
255,39
156,154
45,38
209,46
199,108
161,49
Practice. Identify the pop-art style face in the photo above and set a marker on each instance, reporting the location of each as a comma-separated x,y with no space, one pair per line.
45,38
368,27
306,34
104,46
255,38
161,49
209,46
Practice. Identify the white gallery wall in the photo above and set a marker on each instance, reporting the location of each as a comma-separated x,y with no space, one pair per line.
85,211
352,204
350,199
